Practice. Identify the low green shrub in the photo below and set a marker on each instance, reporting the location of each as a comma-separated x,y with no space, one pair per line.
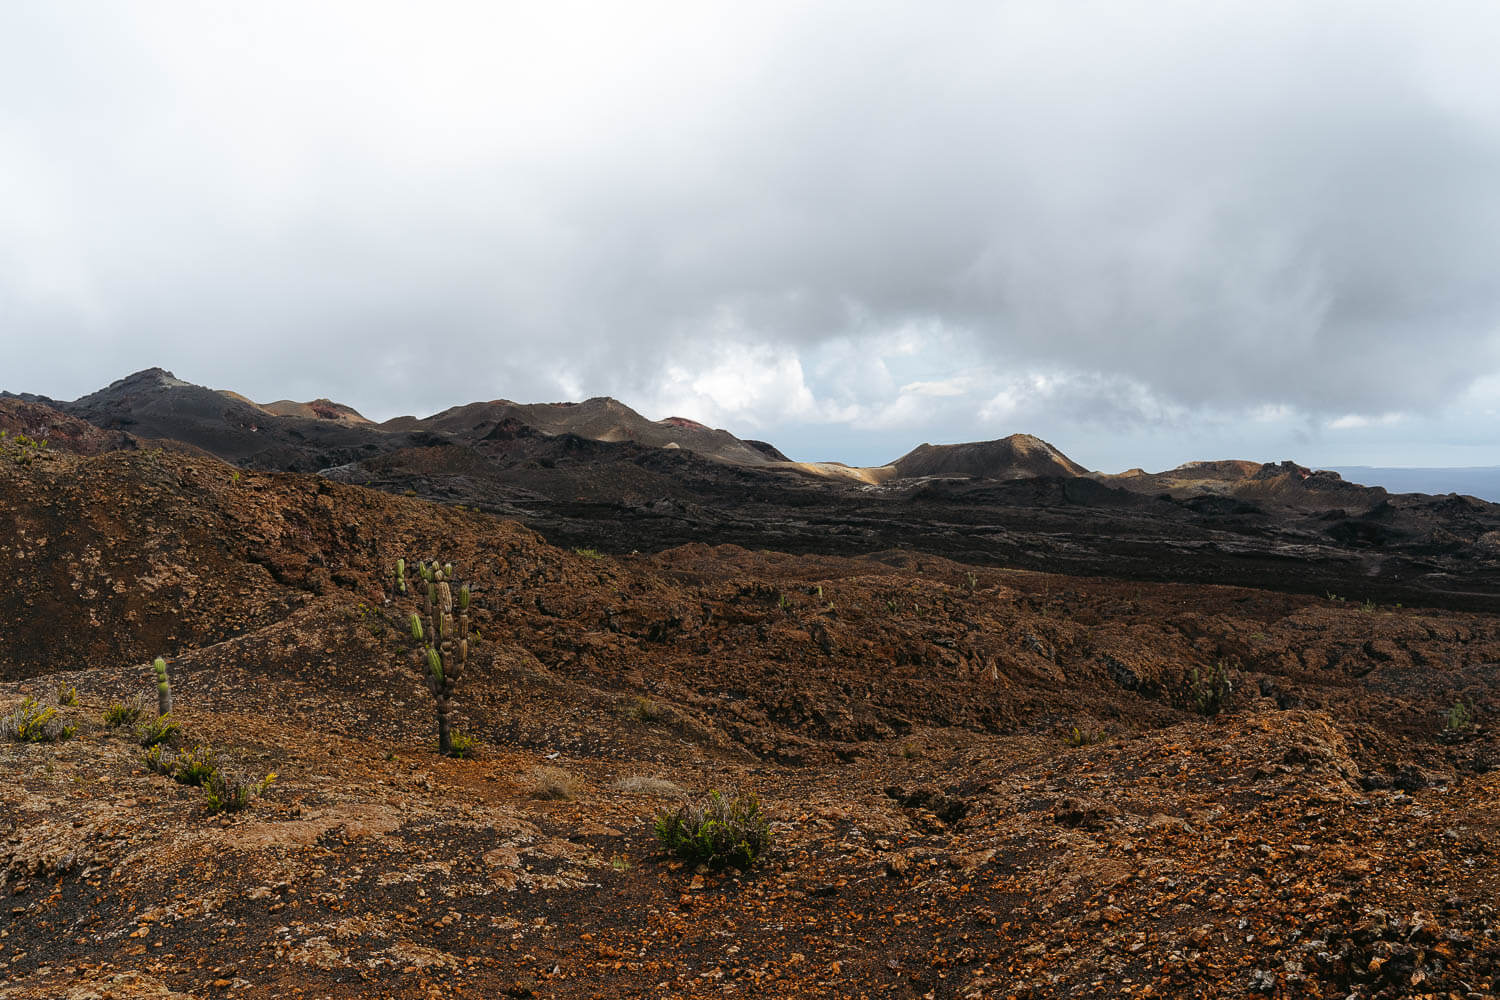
719,831
160,759
33,722
67,695
462,745
1085,736
123,713
161,729
226,792
196,765
1459,719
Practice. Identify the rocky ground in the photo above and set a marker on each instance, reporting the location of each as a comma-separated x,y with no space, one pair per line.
983,782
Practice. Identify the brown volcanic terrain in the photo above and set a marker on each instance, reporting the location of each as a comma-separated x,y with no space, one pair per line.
318,409
905,718
43,423
1011,503
597,419
1019,456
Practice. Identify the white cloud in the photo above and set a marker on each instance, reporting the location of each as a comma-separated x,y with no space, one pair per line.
1359,421
1245,221
957,385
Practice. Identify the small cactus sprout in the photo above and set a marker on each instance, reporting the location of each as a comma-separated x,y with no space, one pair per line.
163,687
401,575
441,636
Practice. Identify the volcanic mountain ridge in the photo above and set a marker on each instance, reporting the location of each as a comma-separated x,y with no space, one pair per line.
598,475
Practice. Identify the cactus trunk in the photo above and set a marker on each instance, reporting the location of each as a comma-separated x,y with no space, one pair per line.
445,732
442,649
163,687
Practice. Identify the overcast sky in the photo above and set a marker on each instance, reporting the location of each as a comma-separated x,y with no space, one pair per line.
1147,232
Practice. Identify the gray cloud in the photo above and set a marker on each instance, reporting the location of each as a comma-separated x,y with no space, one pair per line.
1174,215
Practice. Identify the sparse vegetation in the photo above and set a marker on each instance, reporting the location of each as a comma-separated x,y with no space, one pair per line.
21,449
123,713
1209,689
462,745
643,709
1460,718
226,792
555,783
196,765
720,831
33,722
161,729
1085,736
641,784
160,760
589,553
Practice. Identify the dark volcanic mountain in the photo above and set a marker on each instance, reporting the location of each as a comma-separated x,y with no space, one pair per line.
306,437
1019,456
155,404
600,475
1284,484
597,419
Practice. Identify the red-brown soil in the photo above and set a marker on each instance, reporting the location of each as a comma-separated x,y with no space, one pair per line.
39,422
905,718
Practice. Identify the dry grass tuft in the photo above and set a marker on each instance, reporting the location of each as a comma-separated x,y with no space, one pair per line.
641,784
555,783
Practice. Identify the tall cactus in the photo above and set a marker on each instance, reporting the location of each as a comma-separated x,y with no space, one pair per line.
163,687
442,642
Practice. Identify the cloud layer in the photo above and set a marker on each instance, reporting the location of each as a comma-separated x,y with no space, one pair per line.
1251,226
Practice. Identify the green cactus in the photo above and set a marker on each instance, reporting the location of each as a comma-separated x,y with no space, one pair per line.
163,687
441,634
